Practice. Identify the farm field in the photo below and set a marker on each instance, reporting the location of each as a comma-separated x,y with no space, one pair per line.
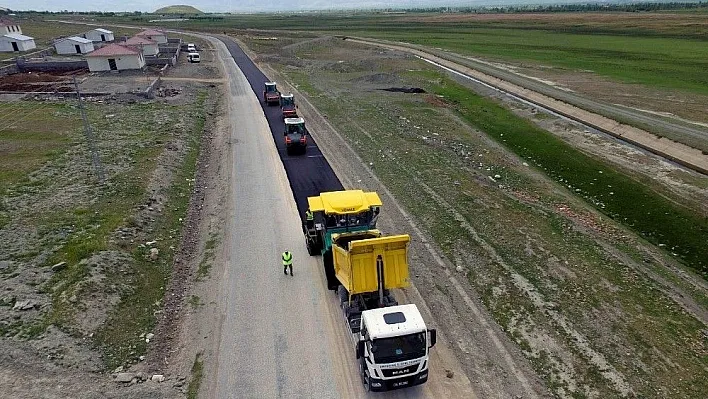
586,298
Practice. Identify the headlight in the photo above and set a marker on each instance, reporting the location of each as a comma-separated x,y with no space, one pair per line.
423,375
376,384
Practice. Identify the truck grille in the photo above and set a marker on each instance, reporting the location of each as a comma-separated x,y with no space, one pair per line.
399,372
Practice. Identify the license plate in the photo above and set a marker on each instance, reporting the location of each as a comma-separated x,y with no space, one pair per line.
400,383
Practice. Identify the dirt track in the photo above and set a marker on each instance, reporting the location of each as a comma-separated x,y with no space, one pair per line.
680,153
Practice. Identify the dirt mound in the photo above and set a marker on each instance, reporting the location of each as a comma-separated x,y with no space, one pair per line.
404,89
377,78
36,81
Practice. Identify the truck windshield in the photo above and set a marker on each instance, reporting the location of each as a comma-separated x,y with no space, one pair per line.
288,101
355,220
270,89
396,349
296,129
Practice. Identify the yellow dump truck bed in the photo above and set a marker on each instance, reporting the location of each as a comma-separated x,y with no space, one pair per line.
356,265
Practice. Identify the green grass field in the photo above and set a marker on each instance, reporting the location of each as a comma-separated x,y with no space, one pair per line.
659,220
31,135
660,62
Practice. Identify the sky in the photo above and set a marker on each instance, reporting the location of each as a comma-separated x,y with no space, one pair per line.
242,5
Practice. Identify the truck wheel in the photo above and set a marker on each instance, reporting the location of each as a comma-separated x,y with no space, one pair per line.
343,295
310,250
366,382
328,261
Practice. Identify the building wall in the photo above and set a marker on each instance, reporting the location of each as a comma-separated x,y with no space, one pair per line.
49,66
123,62
67,47
10,29
24,45
150,49
96,36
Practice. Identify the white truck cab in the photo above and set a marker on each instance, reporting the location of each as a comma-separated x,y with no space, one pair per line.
392,346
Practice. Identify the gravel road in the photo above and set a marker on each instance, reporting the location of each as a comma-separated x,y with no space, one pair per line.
532,92
282,336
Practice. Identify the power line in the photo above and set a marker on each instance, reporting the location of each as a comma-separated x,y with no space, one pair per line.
89,137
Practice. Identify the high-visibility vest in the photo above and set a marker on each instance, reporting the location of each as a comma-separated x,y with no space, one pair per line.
309,215
287,258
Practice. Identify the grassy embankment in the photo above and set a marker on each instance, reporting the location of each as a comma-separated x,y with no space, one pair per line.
565,265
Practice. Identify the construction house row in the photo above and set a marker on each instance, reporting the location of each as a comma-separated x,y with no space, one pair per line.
12,39
127,54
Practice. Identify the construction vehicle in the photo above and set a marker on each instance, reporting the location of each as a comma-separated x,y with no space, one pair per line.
271,95
295,135
287,106
362,265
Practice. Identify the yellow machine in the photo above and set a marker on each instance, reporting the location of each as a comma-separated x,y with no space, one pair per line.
391,341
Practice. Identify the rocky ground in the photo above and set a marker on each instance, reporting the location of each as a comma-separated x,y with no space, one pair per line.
84,265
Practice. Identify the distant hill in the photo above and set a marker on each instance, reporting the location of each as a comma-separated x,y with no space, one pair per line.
178,9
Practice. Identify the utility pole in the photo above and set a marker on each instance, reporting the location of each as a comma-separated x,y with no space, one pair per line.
89,137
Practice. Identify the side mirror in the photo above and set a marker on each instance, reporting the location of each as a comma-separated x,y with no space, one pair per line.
360,349
433,337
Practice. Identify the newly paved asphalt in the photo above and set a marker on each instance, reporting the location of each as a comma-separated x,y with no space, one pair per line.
309,174
274,331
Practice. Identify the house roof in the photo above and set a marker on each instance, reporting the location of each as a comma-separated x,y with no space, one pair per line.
151,32
75,39
102,30
17,36
113,50
4,21
137,40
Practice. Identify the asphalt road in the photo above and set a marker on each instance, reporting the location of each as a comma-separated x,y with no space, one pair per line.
273,342
308,174
282,336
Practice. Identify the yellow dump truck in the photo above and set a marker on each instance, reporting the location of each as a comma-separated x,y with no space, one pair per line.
391,341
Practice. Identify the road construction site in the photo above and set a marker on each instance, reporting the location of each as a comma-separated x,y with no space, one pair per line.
533,292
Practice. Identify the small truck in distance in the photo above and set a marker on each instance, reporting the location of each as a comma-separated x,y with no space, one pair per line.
287,106
271,95
295,136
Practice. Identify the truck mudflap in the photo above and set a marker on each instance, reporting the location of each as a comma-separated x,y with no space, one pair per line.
328,262
380,385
